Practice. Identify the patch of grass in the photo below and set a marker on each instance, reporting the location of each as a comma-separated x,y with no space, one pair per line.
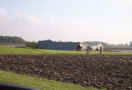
43,84
117,53
16,50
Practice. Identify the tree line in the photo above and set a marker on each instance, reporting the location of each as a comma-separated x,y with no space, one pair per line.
11,39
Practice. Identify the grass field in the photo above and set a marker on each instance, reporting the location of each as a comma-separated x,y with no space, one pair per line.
16,50
35,82
41,83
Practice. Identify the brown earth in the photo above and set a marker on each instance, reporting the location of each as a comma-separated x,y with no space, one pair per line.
101,71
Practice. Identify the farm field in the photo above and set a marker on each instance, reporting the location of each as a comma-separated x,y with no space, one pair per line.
113,72
41,83
16,50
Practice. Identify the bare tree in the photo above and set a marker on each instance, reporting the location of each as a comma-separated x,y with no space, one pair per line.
78,47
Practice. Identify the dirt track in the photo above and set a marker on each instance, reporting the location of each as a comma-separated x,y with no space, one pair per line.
113,72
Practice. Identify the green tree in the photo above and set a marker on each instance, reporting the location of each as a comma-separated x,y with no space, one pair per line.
32,44
11,39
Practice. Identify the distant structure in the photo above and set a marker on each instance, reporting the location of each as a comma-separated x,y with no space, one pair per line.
78,47
12,41
95,46
54,45
13,44
118,48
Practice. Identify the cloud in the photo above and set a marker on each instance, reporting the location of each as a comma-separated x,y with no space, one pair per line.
56,28
26,18
3,11
66,28
29,27
20,24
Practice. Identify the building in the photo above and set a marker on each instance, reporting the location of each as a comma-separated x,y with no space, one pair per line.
13,44
54,45
93,46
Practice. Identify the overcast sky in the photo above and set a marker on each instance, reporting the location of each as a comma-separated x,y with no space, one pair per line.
67,20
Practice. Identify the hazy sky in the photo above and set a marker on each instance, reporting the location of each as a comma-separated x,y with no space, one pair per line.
67,20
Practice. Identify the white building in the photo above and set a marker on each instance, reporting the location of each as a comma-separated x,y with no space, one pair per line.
95,47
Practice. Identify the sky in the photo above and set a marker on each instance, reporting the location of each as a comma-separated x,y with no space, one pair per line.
67,20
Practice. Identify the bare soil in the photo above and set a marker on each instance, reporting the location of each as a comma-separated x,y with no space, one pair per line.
113,72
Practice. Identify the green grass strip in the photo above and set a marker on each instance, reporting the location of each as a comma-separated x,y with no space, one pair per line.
43,84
